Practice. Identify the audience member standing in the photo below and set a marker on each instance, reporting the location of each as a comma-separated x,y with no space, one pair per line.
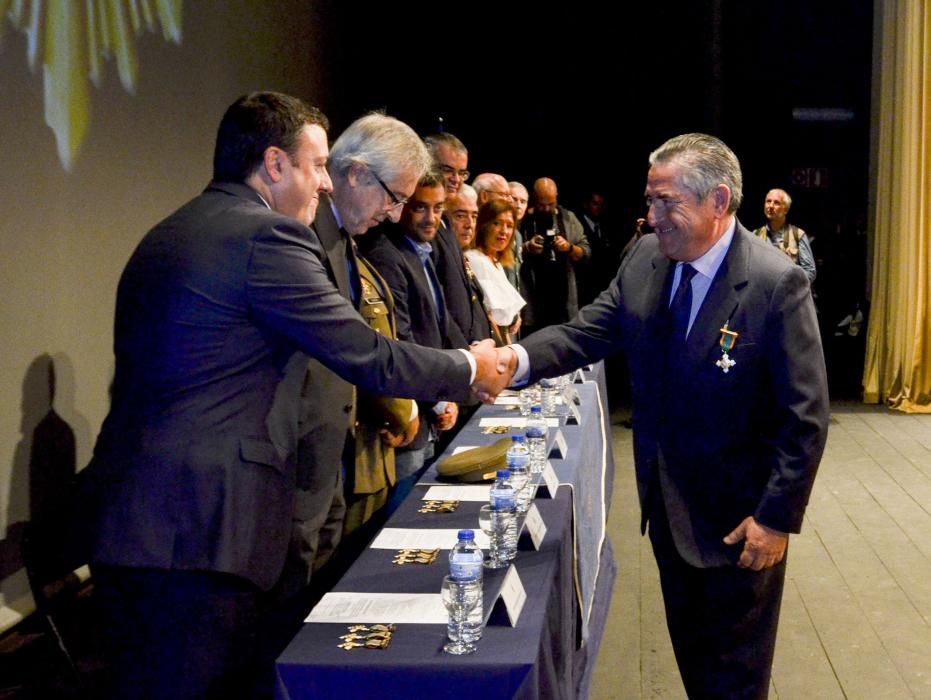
554,243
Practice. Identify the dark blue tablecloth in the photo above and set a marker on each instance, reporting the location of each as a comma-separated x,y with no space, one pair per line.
568,583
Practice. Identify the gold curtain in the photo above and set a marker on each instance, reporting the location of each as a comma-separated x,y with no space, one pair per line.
898,349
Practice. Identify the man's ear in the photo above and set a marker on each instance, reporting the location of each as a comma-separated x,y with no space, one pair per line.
722,199
273,163
355,174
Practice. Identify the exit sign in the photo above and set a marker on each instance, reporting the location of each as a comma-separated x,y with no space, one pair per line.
810,178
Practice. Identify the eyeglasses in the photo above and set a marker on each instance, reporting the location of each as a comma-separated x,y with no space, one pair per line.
395,200
446,170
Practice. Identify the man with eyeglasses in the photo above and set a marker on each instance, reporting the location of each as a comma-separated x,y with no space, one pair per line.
451,158
554,244
374,166
401,254
469,323
492,186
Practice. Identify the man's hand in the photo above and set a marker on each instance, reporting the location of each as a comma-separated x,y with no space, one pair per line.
405,438
514,327
494,369
763,546
447,419
534,246
561,245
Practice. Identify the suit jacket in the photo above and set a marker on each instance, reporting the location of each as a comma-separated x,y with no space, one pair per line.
468,319
728,445
328,401
190,470
389,252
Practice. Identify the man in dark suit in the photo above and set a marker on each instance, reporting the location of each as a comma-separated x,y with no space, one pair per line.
375,145
190,490
468,319
402,255
730,409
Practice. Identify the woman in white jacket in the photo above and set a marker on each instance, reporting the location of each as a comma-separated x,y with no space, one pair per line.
487,259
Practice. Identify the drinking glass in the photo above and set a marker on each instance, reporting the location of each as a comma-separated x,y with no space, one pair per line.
459,597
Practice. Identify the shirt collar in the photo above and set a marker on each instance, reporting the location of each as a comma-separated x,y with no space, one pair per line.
708,264
423,250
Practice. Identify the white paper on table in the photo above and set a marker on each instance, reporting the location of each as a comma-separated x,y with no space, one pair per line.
412,538
480,493
464,448
507,400
383,608
512,421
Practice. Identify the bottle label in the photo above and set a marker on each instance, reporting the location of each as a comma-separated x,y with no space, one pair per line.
503,499
465,567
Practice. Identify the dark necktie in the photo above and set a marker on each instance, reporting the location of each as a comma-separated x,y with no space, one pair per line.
681,307
427,261
355,285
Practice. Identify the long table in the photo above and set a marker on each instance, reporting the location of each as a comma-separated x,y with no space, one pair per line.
548,654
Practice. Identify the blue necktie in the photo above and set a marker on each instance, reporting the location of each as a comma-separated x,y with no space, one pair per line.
681,307
432,279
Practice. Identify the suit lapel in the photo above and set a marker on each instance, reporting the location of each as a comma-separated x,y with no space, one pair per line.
657,299
722,299
334,245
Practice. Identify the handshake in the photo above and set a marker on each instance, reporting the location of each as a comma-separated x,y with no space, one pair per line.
494,369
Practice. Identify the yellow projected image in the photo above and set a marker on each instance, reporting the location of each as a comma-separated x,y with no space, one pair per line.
74,38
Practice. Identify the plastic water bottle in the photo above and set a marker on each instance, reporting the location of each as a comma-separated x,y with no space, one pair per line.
518,461
465,564
549,390
536,439
502,497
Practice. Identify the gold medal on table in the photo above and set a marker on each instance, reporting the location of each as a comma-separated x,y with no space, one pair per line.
727,342
367,637
438,507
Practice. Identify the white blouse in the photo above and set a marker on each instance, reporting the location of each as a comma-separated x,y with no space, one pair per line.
502,301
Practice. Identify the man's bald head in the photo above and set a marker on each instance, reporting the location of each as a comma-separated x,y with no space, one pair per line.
491,186
545,195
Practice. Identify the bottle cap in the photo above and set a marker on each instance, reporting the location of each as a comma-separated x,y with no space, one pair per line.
504,473
536,408
466,535
517,438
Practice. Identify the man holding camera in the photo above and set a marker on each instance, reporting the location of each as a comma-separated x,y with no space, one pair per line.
554,244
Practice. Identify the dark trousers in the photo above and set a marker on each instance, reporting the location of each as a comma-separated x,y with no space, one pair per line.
181,634
722,621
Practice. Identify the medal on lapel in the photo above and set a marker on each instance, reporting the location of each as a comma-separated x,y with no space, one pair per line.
727,342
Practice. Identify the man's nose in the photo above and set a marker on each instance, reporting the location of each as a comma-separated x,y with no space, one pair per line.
326,184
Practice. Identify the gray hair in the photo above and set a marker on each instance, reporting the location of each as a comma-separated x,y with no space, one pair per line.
704,163
446,139
785,195
386,146
486,181
467,192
